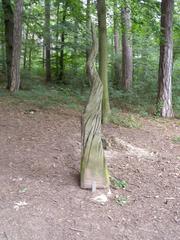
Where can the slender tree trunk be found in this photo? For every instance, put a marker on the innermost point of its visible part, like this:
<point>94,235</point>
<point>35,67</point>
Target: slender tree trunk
<point>88,29</point>
<point>74,56</point>
<point>47,40</point>
<point>57,38</point>
<point>3,51</point>
<point>127,54</point>
<point>61,62</point>
<point>87,25</point>
<point>25,48</point>
<point>94,173</point>
<point>30,53</point>
<point>9,25</point>
<point>166,60</point>
<point>113,61</point>
<point>103,58</point>
<point>61,59</point>
<point>16,53</point>
<point>117,66</point>
<point>30,59</point>
<point>43,55</point>
<point>3,57</point>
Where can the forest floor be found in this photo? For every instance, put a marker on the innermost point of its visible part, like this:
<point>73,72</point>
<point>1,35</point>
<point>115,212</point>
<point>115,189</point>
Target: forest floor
<point>40,197</point>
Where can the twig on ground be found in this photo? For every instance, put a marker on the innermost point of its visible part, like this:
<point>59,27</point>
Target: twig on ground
<point>6,236</point>
<point>77,230</point>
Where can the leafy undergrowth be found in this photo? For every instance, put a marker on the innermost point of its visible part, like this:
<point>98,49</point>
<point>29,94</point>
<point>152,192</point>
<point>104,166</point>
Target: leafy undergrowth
<point>118,183</point>
<point>127,107</point>
<point>127,120</point>
<point>42,96</point>
<point>141,99</point>
<point>176,139</point>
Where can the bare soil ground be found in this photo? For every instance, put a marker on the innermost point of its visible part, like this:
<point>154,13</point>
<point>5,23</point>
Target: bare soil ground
<point>40,197</point>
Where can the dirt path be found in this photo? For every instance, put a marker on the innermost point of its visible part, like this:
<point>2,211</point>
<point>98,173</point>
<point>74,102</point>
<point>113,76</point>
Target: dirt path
<point>40,198</point>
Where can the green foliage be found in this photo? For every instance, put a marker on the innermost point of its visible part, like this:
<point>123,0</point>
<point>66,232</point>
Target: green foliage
<point>146,34</point>
<point>118,183</point>
<point>176,139</point>
<point>142,97</point>
<point>127,121</point>
<point>159,107</point>
<point>44,96</point>
<point>120,200</point>
<point>176,86</point>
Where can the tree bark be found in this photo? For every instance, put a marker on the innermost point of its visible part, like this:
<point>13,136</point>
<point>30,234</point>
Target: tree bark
<point>103,59</point>
<point>61,62</point>
<point>88,30</point>
<point>166,60</point>
<point>94,173</point>
<point>43,55</point>
<point>87,26</point>
<point>75,52</point>
<point>57,38</point>
<point>16,53</point>
<point>117,66</point>
<point>3,49</point>
<point>9,25</point>
<point>127,54</point>
<point>30,53</point>
<point>47,40</point>
<point>25,48</point>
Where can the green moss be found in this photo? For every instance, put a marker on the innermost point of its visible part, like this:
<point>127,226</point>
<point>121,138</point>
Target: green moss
<point>176,139</point>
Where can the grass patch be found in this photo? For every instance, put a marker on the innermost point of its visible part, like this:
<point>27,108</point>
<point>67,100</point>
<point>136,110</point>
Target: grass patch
<point>44,97</point>
<point>142,97</point>
<point>120,200</point>
<point>127,121</point>
<point>118,183</point>
<point>176,140</point>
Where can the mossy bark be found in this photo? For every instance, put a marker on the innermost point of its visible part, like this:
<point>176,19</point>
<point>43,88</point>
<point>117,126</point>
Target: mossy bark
<point>94,173</point>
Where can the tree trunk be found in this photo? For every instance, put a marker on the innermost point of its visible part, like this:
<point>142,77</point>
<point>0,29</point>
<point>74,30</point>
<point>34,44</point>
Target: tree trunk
<point>61,62</point>
<point>74,54</point>
<point>87,26</point>
<point>3,51</point>
<point>9,25</point>
<point>166,60</point>
<point>30,53</point>
<point>94,173</point>
<point>57,38</point>
<point>103,58</point>
<point>16,53</point>
<point>117,66</point>
<point>127,54</point>
<point>25,48</point>
<point>88,30</point>
<point>112,60</point>
<point>47,40</point>
<point>43,55</point>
